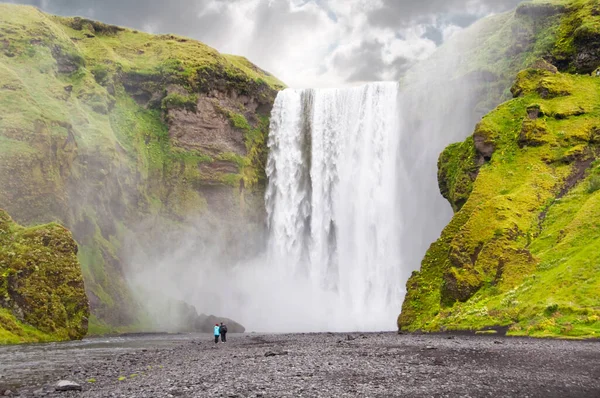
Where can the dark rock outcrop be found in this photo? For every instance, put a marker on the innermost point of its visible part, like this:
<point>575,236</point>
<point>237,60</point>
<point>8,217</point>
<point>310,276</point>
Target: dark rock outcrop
<point>177,316</point>
<point>205,324</point>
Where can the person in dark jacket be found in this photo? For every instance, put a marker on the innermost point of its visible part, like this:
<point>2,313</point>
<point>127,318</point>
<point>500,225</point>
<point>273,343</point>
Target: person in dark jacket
<point>217,332</point>
<point>223,331</point>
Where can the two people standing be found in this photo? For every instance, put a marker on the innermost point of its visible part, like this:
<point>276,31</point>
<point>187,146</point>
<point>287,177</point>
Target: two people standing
<point>220,330</point>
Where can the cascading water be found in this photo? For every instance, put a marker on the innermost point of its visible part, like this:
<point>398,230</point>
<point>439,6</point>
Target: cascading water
<point>353,204</point>
<point>332,200</point>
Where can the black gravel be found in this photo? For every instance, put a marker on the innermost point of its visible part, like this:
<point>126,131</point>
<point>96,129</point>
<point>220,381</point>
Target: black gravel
<point>334,365</point>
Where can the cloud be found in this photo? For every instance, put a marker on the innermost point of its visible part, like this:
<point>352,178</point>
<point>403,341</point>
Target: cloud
<point>363,63</point>
<point>393,13</point>
<point>434,34</point>
<point>306,43</point>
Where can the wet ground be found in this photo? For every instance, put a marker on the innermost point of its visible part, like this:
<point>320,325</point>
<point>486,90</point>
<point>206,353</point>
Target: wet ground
<point>310,365</point>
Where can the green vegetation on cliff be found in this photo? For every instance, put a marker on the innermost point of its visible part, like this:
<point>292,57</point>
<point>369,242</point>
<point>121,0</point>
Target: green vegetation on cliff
<point>42,296</point>
<point>523,249</point>
<point>102,127</point>
<point>487,56</point>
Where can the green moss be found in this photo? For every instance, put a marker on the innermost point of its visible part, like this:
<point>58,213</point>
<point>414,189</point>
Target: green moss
<point>593,184</point>
<point>534,133</point>
<point>13,331</point>
<point>493,50</point>
<point>579,32</point>
<point>239,121</point>
<point>101,73</point>
<point>457,169</point>
<point>253,164</point>
<point>165,58</point>
<point>41,283</point>
<point>178,101</point>
<point>521,252</point>
<point>259,75</point>
<point>98,327</point>
<point>10,147</point>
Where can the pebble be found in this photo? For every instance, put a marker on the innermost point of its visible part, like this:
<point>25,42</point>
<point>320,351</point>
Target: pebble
<point>275,353</point>
<point>313,365</point>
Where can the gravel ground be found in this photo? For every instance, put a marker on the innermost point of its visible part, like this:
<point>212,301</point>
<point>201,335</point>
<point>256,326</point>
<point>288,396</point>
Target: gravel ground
<point>336,365</point>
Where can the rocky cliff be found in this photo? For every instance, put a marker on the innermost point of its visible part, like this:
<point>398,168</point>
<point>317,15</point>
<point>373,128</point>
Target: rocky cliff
<point>522,249</point>
<point>42,297</point>
<point>102,127</point>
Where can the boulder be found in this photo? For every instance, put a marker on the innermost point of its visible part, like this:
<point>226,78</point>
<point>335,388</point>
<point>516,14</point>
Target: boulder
<point>41,283</point>
<point>542,64</point>
<point>534,132</point>
<point>66,385</point>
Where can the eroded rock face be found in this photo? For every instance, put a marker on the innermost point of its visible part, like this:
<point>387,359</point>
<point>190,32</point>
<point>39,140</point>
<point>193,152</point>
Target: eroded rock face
<point>484,146</point>
<point>587,42</point>
<point>208,130</point>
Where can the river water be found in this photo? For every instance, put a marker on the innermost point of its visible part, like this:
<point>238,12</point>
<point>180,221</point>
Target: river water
<point>37,364</point>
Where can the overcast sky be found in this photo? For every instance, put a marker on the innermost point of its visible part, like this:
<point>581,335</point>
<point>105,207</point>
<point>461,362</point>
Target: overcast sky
<point>306,43</point>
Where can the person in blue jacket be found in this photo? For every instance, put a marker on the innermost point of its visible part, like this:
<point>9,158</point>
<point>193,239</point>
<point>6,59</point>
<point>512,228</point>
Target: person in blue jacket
<point>217,332</point>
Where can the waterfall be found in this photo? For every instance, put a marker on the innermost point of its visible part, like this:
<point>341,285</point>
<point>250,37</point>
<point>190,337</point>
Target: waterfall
<point>333,197</point>
<point>353,203</point>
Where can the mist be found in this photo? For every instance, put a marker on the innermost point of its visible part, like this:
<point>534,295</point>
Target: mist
<point>258,292</point>
<point>288,282</point>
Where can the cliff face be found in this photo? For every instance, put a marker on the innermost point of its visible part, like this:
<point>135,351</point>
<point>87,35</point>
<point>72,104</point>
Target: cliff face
<point>522,248</point>
<point>102,127</point>
<point>42,297</point>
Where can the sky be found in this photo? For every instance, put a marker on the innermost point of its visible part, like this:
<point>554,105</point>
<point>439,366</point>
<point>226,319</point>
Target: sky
<point>305,43</point>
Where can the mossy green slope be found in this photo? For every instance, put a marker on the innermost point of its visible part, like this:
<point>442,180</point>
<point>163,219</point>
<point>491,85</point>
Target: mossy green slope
<point>98,130</point>
<point>487,55</point>
<point>42,296</point>
<point>522,249</point>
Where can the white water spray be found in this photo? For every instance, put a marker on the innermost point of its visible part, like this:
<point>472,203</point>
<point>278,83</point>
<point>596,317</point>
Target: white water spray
<point>353,203</point>
<point>332,201</point>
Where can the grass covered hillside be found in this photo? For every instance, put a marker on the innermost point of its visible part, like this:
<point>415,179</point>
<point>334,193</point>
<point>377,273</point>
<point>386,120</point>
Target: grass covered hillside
<point>102,127</point>
<point>523,249</point>
<point>42,297</point>
<point>487,55</point>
